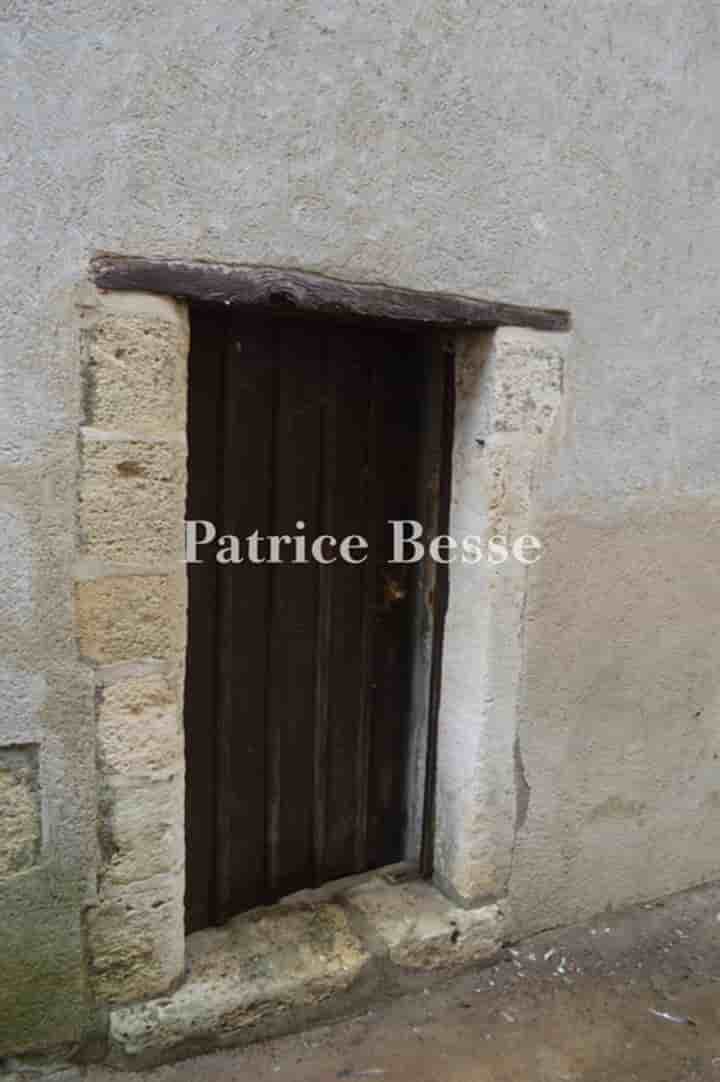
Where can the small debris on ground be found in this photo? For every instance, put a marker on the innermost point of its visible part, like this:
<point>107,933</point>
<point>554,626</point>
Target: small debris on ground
<point>369,1072</point>
<point>678,1019</point>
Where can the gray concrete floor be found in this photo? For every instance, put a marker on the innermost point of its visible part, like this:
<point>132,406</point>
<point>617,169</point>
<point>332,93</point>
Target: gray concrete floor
<point>566,1006</point>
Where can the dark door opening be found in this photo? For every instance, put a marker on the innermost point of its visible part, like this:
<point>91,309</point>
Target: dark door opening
<point>308,684</point>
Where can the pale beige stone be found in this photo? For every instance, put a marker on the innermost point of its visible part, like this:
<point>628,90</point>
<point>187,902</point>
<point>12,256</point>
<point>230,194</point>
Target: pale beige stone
<point>508,476</point>
<point>20,826</point>
<point>257,967</point>
<point>139,726</point>
<point>421,929</point>
<point>510,409</point>
<point>129,617</point>
<point>141,830</point>
<point>131,511</point>
<point>137,304</point>
<point>135,372</point>
<point>136,941</point>
<point>522,382</point>
<point>132,500</point>
<point>136,933</point>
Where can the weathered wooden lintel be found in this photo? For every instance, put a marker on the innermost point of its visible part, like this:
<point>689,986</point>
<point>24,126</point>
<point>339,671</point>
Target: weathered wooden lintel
<point>285,291</point>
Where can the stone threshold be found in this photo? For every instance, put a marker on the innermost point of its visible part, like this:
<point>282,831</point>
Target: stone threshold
<point>315,957</point>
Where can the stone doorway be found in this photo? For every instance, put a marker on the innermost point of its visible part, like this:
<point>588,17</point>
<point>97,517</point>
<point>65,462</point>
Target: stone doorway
<point>131,599</point>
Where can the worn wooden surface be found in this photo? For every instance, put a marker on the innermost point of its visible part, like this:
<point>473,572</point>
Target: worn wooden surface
<point>201,708</point>
<point>299,726</point>
<point>284,290</point>
<point>243,605</point>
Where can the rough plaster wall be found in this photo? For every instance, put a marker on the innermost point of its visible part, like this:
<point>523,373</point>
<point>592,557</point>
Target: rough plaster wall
<point>561,154</point>
<point>618,720</point>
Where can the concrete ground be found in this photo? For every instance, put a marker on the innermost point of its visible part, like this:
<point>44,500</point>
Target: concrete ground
<point>632,997</point>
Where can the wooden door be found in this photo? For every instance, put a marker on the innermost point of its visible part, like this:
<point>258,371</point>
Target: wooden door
<point>299,688</point>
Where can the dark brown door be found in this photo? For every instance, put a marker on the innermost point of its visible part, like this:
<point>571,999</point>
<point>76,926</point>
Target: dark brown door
<point>299,681</point>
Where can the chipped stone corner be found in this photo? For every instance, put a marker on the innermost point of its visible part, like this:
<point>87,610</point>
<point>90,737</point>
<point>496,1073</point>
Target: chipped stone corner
<point>418,928</point>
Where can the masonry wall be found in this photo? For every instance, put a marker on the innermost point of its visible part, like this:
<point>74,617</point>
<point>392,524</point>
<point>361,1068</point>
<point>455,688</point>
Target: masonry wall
<point>130,600</point>
<point>558,155</point>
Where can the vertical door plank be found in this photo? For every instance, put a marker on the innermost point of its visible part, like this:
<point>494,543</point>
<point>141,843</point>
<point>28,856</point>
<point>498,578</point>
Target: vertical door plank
<point>293,621</point>
<point>244,599</point>
<point>205,456</point>
<point>439,435</point>
<point>398,403</point>
<point>373,533</point>
<point>345,751</point>
<point>325,621</point>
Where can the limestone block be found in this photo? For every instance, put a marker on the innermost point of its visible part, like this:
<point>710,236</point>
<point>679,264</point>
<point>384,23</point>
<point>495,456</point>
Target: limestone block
<point>132,499</point>
<point>130,617</point>
<point>139,726</point>
<point>509,414</point>
<point>136,940</point>
<point>523,382</point>
<point>421,929</point>
<point>135,371</point>
<point>141,830</point>
<point>260,965</point>
<point>20,824</point>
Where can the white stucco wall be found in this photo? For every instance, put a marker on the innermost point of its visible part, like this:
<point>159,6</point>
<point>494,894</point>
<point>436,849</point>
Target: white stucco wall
<point>560,154</point>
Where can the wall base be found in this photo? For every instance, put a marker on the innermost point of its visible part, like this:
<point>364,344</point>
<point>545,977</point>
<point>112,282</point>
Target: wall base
<point>314,958</point>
